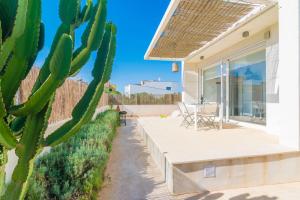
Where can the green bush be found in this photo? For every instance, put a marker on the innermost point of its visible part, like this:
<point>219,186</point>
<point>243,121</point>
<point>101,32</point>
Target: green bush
<point>75,169</point>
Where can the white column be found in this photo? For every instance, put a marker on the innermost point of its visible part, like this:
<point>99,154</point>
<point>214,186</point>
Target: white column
<point>182,82</point>
<point>289,63</point>
<point>227,90</point>
<point>221,97</point>
<point>196,117</point>
<point>198,87</point>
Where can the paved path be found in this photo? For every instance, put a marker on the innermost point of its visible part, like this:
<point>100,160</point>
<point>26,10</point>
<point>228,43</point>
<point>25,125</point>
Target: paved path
<point>132,175</point>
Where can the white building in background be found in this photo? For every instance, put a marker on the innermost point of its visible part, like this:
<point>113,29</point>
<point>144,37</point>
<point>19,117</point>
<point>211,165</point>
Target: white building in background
<point>152,87</point>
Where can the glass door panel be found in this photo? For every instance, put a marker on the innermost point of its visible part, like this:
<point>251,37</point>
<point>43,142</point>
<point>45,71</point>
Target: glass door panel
<point>247,91</point>
<point>212,85</point>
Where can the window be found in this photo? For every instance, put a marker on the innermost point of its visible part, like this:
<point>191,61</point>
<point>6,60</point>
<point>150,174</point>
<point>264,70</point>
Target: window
<point>212,84</point>
<point>169,88</point>
<point>248,88</point>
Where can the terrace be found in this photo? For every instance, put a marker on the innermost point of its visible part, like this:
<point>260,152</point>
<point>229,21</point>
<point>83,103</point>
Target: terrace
<point>203,160</point>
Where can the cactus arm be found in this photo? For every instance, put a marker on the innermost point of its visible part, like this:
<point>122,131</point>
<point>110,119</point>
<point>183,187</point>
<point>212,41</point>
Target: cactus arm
<point>59,67</point>
<point>6,135</point>
<point>41,37</point>
<point>11,79</point>
<point>20,22</point>
<point>92,35</point>
<point>91,38</point>
<point>18,30</point>
<point>6,50</point>
<point>7,138</point>
<point>8,9</point>
<point>79,61</point>
<point>26,151</point>
<point>17,125</point>
<point>45,70</point>
<point>68,10</point>
<point>0,34</point>
<point>18,65</point>
<point>2,105</point>
<point>87,11</point>
<point>85,109</point>
<point>39,99</point>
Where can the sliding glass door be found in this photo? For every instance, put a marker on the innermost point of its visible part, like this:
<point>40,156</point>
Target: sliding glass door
<point>211,80</point>
<point>247,88</point>
<point>212,84</point>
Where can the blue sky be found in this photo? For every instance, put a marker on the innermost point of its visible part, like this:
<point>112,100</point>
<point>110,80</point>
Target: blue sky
<point>137,21</point>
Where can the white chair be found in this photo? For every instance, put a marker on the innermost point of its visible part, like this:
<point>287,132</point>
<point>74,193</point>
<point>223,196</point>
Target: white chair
<point>188,118</point>
<point>208,115</point>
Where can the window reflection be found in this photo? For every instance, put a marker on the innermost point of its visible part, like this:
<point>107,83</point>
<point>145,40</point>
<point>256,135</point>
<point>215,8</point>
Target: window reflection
<point>248,88</point>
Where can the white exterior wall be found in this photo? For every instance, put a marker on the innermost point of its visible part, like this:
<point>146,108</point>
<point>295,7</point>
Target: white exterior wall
<point>289,20</point>
<point>247,46</point>
<point>272,82</point>
<point>189,84</point>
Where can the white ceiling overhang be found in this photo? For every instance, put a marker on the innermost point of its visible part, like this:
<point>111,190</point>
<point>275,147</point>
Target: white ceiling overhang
<point>189,25</point>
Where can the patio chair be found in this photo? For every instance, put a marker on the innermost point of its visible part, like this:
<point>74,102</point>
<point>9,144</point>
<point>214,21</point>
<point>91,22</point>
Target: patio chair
<point>208,115</point>
<point>188,118</point>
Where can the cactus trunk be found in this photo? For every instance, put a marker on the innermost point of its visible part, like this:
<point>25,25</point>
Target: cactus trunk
<point>22,127</point>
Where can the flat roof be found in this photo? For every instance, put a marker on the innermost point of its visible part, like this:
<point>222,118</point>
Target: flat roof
<point>189,25</point>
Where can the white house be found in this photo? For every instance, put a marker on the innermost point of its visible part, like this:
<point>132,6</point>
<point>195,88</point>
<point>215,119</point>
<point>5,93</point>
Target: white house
<point>244,55</point>
<point>152,87</point>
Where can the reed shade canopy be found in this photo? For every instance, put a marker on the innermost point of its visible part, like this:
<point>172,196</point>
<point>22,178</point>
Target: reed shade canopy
<point>194,23</point>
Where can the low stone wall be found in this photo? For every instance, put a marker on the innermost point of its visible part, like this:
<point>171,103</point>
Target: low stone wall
<point>237,173</point>
<point>148,110</point>
<point>196,177</point>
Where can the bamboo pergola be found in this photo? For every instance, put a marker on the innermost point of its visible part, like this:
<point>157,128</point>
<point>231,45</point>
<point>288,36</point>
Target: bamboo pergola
<point>197,22</point>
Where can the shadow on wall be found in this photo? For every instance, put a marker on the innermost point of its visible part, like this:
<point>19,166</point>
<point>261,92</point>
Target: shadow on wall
<point>217,196</point>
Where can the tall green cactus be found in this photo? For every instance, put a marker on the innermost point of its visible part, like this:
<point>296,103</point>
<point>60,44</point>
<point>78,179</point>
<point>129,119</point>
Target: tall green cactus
<point>22,126</point>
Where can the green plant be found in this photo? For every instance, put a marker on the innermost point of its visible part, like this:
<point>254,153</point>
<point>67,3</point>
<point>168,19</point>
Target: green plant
<point>75,169</point>
<point>23,126</point>
<point>111,90</point>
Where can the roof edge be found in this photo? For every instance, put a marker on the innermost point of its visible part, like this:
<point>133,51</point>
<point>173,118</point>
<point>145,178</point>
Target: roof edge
<point>164,22</point>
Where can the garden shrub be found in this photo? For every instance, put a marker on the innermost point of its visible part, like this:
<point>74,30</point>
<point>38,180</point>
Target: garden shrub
<point>75,169</point>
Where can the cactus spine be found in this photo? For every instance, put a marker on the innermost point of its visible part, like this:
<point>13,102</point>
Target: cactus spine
<point>22,127</point>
